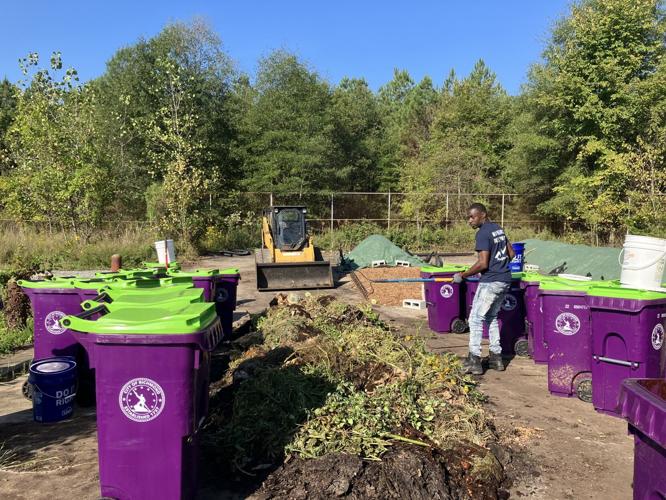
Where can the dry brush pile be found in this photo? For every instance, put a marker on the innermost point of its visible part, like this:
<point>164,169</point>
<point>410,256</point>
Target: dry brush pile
<point>323,382</point>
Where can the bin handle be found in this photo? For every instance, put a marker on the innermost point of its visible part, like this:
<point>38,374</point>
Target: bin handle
<point>102,297</point>
<point>87,314</point>
<point>638,268</point>
<point>614,361</point>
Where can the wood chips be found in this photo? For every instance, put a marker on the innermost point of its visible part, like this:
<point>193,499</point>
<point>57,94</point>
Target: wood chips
<point>390,294</point>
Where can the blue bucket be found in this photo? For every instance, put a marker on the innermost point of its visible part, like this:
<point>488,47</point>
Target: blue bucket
<point>53,383</point>
<point>516,265</point>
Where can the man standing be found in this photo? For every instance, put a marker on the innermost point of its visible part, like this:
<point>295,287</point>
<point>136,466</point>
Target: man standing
<point>494,254</point>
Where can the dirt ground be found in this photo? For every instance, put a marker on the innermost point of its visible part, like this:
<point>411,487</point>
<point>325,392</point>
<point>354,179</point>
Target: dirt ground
<point>555,448</point>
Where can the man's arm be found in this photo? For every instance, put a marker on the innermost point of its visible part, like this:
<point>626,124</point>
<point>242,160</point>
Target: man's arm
<point>509,249</point>
<point>480,265</point>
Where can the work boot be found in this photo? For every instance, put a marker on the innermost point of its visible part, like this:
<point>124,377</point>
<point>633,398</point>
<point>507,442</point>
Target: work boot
<point>473,365</point>
<point>495,362</point>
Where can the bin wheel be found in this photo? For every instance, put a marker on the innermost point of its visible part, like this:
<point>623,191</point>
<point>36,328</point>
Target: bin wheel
<point>459,326</point>
<point>583,388</point>
<point>521,348</point>
<point>26,389</point>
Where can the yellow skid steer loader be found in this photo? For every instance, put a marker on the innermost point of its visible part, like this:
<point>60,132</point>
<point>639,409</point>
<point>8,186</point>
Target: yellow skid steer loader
<point>288,260</point>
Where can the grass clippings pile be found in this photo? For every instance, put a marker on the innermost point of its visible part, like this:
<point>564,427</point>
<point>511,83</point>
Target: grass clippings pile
<point>328,381</point>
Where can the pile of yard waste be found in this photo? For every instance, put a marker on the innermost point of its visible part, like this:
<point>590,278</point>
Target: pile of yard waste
<point>326,400</point>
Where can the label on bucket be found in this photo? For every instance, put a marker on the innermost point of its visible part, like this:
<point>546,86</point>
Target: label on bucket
<point>52,322</point>
<point>141,399</point>
<point>446,291</point>
<point>52,367</point>
<point>567,323</point>
<point>509,303</point>
<point>657,336</point>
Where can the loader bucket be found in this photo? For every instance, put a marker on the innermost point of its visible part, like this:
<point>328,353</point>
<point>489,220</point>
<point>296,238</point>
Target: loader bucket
<point>294,275</point>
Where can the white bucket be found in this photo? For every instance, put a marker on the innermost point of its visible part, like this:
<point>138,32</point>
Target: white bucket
<point>643,262</point>
<point>163,248</point>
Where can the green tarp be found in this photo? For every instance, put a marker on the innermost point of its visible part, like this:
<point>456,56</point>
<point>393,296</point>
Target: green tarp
<point>377,247</point>
<point>554,257</point>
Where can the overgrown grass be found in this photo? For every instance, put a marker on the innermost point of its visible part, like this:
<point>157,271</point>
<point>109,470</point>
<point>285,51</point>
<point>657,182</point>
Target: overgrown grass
<point>29,248</point>
<point>10,340</point>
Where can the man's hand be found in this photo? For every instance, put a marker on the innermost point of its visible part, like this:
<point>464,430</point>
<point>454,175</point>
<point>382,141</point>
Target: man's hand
<point>457,278</point>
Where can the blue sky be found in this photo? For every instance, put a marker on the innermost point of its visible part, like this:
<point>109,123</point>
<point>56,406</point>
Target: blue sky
<point>342,38</point>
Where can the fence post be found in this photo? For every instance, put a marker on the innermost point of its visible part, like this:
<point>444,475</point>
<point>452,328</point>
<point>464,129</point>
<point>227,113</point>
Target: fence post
<point>446,220</point>
<point>389,209</point>
<point>502,223</point>
<point>271,199</point>
<point>331,215</point>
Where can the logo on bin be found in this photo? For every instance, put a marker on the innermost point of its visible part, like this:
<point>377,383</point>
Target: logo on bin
<point>52,322</point>
<point>141,399</point>
<point>222,295</point>
<point>658,336</point>
<point>567,324</point>
<point>509,303</point>
<point>446,291</point>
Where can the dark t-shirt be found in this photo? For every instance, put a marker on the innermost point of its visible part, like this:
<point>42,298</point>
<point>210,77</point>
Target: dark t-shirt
<point>491,238</point>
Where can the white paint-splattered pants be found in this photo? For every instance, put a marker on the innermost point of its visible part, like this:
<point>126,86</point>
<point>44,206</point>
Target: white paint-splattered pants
<point>487,302</point>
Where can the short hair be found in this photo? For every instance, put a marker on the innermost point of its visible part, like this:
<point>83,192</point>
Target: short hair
<point>478,206</point>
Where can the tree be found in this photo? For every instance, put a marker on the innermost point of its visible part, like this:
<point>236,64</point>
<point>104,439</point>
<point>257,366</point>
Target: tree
<point>8,103</point>
<point>591,96</point>
<point>285,137</point>
<point>59,176</point>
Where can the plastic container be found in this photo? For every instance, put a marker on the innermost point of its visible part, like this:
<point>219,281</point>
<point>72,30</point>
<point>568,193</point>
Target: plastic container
<point>226,296</point>
<point>161,265</point>
<point>52,300</point>
<point>567,335</point>
<point>166,251</point>
<point>643,404</point>
<point>149,413</point>
<point>516,264</point>
<point>536,347</point>
<point>54,383</point>
<point>643,262</point>
<point>445,301</point>
<point>511,317</point>
<point>218,286</point>
<point>627,340</point>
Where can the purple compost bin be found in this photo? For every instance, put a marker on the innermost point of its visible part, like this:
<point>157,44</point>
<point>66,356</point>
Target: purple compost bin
<point>643,404</point>
<point>511,317</point>
<point>219,287</point>
<point>627,340</point>
<point>536,347</point>
<point>52,300</point>
<point>567,333</point>
<point>444,300</point>
<point>153,372</point>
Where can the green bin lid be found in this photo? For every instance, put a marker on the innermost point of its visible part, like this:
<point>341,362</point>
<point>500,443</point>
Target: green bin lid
<point>618,292</point>
<point>230,270</point>
<point>154,293</point>
<point>44,284</point>
<point>565,284</point>
<point>159,265</point>
<point>143,284</point>
<point>157,320</point>
<point>187,296</point>
<point>446,268</point>
<point>197,273</point>
<point>127,273</point>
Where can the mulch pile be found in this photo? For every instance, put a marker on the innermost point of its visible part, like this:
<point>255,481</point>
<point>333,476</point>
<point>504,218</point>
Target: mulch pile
<point>390,294</point>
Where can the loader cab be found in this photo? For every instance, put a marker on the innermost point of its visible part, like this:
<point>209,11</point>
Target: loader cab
<point>288,227</point>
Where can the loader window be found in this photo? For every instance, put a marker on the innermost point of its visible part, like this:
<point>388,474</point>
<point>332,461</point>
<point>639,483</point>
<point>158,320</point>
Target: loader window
<point>291,228</point>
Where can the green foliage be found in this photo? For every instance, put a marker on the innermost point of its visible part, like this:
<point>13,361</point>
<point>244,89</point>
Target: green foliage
<point>11,340</point>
